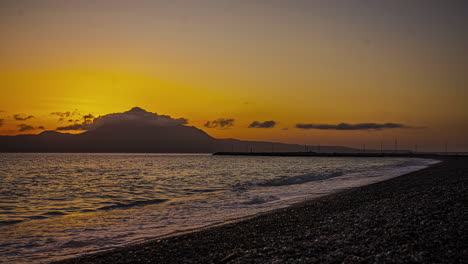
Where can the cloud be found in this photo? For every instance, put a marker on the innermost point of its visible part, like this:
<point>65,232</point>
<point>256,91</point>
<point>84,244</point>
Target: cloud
<point>1,122</point>
<point>62,114</point>
<point>220,122</point>
<point>86,123</point>
<point>25,127</point>
<point>88,116</point>
<point>266,124</point>
<point>345,126</point>
<point>66,115</point>
<point>134,117</point>
<point>82,126</point>
<point>18,117</point>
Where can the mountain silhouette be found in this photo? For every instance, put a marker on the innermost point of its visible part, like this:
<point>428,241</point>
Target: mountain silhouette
<point>139,131</point>
<point>146,139</point>
<point>115,138</point>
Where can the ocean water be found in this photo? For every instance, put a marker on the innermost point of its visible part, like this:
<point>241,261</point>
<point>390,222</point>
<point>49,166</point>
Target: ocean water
<point>56,206</point>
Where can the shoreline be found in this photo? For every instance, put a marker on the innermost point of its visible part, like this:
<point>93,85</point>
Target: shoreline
<point>369,154</point>
<point>260,238</point>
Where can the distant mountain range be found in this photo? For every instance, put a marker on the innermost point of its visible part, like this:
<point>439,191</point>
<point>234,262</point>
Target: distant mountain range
<point>113,138</point>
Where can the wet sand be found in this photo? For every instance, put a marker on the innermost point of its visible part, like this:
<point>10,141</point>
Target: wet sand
<point>418,217</point>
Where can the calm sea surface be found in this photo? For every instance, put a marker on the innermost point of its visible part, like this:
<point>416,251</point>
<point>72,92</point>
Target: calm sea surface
<point>55,206</point>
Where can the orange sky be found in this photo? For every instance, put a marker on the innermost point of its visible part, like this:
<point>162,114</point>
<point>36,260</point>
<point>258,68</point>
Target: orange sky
<point>325,62</point>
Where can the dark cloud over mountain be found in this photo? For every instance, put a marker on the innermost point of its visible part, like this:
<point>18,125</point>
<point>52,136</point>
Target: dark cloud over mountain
<point>88,116</point>
<point>25,127</point>
<point>134,117</point>
<point>345,126</point>
<point>86,123</point>
<point>266,124</point>
<point>18,117</point>
<point>220,123</point>
<point>82,126</point>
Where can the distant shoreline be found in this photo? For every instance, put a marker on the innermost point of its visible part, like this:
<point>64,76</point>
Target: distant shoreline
<point>414,217</point>
<point>336,154</point>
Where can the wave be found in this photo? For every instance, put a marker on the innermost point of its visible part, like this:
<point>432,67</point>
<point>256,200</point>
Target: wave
<point>310,177</point>
<point>54,213</point>
<point>10,222</point>
<point>132,204</point>
<point>192,190</point>
<point>87,210</point>
<point>77,244</point>
<point>298,179</point>
<point>260,200</point>
<point>34,217</point>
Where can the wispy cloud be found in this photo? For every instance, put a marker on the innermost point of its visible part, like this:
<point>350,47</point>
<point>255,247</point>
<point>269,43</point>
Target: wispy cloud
<point>1,122</point>
<point>25,127</point>
<point>346,126</point>
<point>85,124</point>
<point>68,114</point>
<point>88,116</point>
<point>266,124</point>
<point>82,126</point>
<point>62,114</point>
<point>18,117</point>
<point>220,123</point>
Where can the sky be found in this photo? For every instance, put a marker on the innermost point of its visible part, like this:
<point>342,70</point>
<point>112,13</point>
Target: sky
<point>323,72</point>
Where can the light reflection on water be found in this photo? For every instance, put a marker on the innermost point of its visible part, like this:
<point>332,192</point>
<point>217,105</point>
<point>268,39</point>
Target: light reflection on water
<point>54,206</point>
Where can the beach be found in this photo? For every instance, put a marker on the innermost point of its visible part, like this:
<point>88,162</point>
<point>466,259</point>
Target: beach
<point>233,131</point>
<point>417,217</point>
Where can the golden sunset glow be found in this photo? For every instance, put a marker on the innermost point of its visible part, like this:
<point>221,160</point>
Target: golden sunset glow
<point>320,63</point>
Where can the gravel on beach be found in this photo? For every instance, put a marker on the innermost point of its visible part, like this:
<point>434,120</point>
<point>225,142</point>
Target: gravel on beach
<point>418,217</point>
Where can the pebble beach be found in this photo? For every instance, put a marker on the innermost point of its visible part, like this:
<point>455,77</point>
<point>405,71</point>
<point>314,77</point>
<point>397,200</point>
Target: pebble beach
<point>417,217</point>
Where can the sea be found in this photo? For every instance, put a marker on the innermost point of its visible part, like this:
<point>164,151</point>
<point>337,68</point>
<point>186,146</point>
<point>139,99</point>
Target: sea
<point>57,206</point>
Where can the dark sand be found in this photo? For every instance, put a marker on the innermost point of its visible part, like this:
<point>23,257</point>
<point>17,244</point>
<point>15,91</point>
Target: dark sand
<point>418,217</point>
